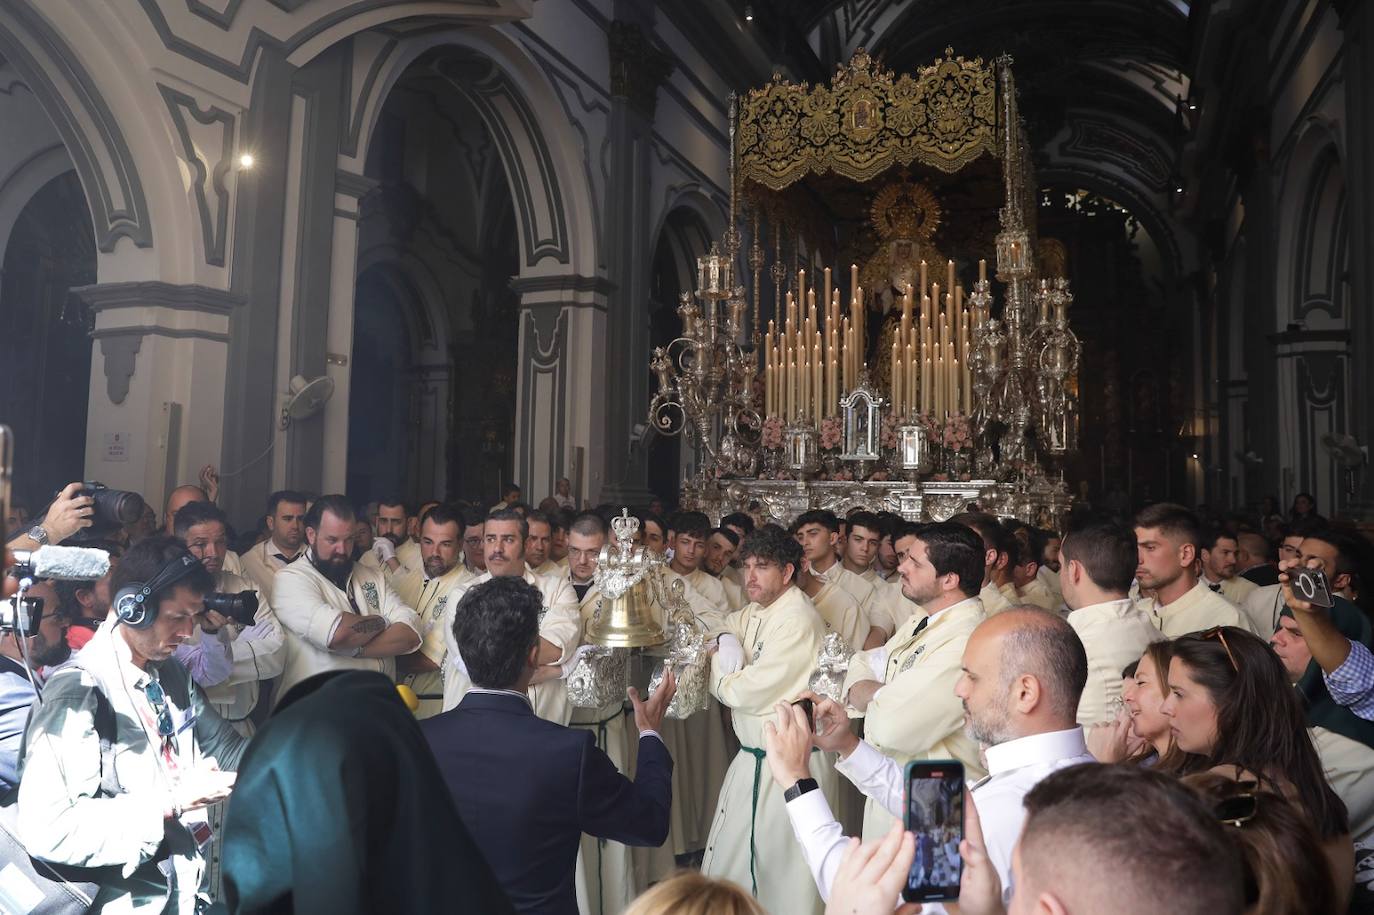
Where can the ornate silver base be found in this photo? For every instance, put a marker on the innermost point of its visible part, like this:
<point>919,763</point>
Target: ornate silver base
<point>781,501</point>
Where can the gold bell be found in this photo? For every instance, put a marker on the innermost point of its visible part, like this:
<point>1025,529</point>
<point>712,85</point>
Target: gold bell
<point>626,621</point>
<point>624,615</point>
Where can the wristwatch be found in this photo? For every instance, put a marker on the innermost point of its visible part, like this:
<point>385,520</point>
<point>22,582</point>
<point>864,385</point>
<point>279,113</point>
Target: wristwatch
<point>39,535</point>
<point>802,786</point>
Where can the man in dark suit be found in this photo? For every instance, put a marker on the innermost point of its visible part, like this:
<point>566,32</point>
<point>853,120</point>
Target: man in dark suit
<point>527,788</point>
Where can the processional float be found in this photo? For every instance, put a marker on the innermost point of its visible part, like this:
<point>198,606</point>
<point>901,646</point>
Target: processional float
<point>920,385</point>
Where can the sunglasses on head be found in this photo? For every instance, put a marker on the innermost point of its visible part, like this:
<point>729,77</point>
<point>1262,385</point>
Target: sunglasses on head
<point>1219,633</point>
<point>1236,809</point>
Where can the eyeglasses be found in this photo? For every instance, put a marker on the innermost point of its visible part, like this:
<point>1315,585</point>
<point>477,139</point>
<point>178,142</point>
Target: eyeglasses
<point>1219,633</point>
<point>1236,809</point>
<point>158,699</point>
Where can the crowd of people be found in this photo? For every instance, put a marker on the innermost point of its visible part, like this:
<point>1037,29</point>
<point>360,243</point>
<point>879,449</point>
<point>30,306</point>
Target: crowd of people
<point>1148,714</point>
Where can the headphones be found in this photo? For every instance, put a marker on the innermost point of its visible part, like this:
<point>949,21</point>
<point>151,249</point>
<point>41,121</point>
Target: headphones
<point>132,605</point>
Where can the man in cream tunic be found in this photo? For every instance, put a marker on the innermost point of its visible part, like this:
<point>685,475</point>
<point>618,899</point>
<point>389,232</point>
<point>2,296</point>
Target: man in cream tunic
<point>560,625</point>
<point>445,578</point>
<point>1167,538</point>
<point>338,615</point>
<point>905,690</point>
<point>766,657</point>
<point>700,744</point>
<point>995,545</point>
<point>605,873</point>
<point>1219,551</point>
<point>1096,567</point>
<point>818,532</point>
<point>285,543</point>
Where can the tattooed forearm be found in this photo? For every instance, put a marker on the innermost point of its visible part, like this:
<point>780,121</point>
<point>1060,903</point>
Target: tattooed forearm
<point>369,625</point>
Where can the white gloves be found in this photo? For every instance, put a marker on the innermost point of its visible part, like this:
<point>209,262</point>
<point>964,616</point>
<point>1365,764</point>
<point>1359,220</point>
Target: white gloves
<point>576,656</point>
<point>384,549</point>
<point>877,660</point>
<point>729,654</point>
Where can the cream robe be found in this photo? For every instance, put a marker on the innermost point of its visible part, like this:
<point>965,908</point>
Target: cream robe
<point>605,875</point>
<point>841,614</point>
<point>1114,635</point>
<point>1349,768</point>
<point>409,575</point>
<point>432,605</point>
<point>1050,579</point>
<point>701,744</point>
<point>254,662</point>
<point>1036,594</point>
<point>261,565</point>
<point>1236,589</point>
<point>233,564</point>
<point>1197,610</point>
<point>1009,594</point>
<point>889,608</point>
<point>915,715</point>
<point>559,623</point>
<point>751,839</point>
<point>734,594</point>
<point>994,599</point>
<point>1262,607</point>
<point>549,567</point>
<point>308,605</point>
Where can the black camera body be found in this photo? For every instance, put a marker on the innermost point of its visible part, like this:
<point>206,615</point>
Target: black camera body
<point>21,614</point>
<point>1311,585</point>
<point>113,507</point>
<point>242,607</point>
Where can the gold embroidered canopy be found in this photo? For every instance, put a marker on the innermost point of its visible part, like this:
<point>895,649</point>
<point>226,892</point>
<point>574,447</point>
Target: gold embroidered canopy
<point>867,120</point>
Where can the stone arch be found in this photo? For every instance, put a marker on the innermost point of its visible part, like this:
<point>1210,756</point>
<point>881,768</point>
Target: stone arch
<point>538,147</point>
<point>83,119</point>
<point>1312,231</point>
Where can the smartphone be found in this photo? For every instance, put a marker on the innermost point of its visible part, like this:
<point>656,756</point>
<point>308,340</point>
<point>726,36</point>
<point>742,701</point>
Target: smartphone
<point>935,816</point>
<point>809,708</point>
<point>1311,585</point>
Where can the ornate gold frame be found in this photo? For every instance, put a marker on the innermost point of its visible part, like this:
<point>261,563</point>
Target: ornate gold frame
<point>868,120</point>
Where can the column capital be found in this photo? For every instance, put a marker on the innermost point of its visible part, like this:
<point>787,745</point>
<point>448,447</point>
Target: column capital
<point>638,66</point>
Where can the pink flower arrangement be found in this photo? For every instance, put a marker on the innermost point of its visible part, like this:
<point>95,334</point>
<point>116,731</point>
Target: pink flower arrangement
<point>887,435</point>
<point>956,434</point>
<point>830,433</point>
<point>771,436</point>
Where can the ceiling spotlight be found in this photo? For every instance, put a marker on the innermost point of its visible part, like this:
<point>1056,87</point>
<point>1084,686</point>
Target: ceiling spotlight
<point>246,160</point>
<point>1179,189</point>
<point>1194,455</point>
<point>1192,105</point>
<point>748,12</point>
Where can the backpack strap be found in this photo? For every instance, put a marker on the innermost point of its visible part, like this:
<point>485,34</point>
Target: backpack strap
<point>107,732</point>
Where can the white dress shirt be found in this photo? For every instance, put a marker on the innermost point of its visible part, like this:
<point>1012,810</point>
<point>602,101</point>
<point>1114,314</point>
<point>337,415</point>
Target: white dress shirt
<point>1014,768</point>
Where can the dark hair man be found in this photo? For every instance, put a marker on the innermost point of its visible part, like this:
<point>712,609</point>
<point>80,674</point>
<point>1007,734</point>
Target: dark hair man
<point>1022,673</point>
<point>1220,554</point>
<point>516,778</point>
<point>818,532</point>
<point>474,556</point>
<point>906,687</point>
<point>997,547</point>
<point>442,583</point>
<point>86,604</point>
<point>1097,562</point>
<point>339,615</point>
<point>505,533</point>
<point>21,667</point>
<point>285,541</point>
<point>1256,559</point>
<point>128,692</point>
<point>230,660</point>
<point>538,543</point>
<point>1167,539</point>
<point>766,657</point>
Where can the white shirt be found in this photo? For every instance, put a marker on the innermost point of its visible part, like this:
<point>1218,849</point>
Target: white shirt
<point>1014,768</point>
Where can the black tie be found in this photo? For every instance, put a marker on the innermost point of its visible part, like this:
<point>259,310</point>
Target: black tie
<point>283,558</point>
<point>581,589</point>
<point>919,626</point>
<point>1215,587</point>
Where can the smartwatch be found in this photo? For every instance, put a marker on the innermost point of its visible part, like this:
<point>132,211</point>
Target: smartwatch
<point>802,786</point>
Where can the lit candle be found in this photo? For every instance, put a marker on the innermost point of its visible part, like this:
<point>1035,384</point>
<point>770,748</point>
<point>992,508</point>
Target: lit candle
<point>925,284</point>
<point>818,379</point>
<point>825,287</point>
<point>791,389</point>
<point>860,329</point>
<point>768,370</point>
<point>982,270</point>
<point>897,389</point>
<point>968,390</point>
<point>801,283</point>
<point>949,275</point>
<point>909,400</point>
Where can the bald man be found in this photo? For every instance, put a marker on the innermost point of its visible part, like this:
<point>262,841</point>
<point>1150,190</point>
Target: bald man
<point>184,495</point>
<point>1022,675</point>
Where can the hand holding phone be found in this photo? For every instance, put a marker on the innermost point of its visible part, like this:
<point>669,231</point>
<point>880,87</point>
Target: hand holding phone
<point>934,814</point>
<point>809,707</point>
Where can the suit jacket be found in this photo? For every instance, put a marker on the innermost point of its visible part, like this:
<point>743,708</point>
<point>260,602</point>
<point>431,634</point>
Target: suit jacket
<point>1262,575</point>
<point>527,789</point>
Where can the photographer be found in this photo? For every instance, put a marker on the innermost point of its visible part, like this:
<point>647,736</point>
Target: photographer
<point>136,829</point>
<point>45,646</point>
<point>86,604</point>
<point>230,656</point>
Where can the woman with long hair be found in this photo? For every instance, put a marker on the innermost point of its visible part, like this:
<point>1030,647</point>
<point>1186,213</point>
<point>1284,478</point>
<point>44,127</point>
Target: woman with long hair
<point>1231,704</point>
<point>1141,734</point>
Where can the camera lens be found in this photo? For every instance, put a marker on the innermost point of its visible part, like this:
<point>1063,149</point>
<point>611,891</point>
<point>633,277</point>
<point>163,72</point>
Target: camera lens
<point>241,607</point>
<point>1306,585</point>
<point>117,506</point>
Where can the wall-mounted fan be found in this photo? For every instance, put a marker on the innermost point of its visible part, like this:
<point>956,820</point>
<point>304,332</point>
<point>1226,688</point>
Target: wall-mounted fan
<point>307,398</point>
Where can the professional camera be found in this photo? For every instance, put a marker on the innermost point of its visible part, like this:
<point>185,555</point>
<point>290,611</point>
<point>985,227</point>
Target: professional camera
<point>22,614</point>
<point>1311,585</point>
<point>242,607</point>
<point>113,507</point>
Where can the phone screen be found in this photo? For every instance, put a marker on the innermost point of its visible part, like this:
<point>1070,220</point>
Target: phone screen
<point>935,815</point>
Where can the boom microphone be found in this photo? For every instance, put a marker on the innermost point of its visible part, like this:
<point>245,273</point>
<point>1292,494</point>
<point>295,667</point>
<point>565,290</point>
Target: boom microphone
<point>65,563</point>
